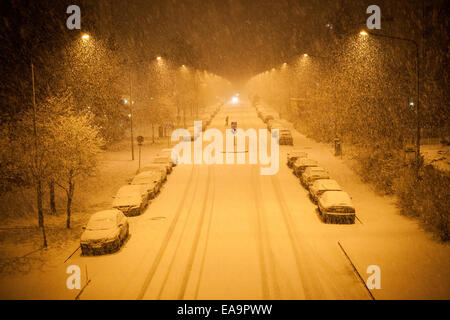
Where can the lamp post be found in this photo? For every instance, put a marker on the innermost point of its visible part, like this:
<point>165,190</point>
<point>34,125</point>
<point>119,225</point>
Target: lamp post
<point>418,114</point>
<point>84,37</point>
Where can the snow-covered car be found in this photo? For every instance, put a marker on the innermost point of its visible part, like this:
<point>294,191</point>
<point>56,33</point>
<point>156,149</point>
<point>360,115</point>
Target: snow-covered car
<point>167,152</point>
<point>161,168</point>
<point>131,199</point>
<point>312,174</point>
<point>105,232</point>
<point>164,160</point>
<point>151,179</point>
<point>285,137</point>
<point>293,155</point>
<point>301,164</point>
<point>322,185</point>
<point>337,207</point>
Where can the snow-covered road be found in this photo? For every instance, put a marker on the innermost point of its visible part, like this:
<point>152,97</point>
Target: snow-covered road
<point>226,232</point>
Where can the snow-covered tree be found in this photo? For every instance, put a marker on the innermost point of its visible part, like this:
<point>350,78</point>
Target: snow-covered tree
<point>75,143</point>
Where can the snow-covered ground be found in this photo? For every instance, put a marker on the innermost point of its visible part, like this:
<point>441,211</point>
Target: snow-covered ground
<point>437,155</point>
<point>226,232</point>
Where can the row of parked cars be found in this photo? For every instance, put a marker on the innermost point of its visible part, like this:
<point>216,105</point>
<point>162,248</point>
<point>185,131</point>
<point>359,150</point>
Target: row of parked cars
<point>107,230</point>
<point>206,118</point>
<point>272,122</point>
<point>334,204</point>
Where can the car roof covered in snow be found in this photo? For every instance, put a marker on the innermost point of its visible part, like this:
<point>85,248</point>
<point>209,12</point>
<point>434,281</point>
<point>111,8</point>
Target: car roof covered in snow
<point>315,169</point>
<point>130,194</point>
<point>326,184</point>
<point>336,198</point>
<point>162,159</point>
<point>306,162</point>
<point>154,166</point>
<point>100,215</point>
<point>297,153</point>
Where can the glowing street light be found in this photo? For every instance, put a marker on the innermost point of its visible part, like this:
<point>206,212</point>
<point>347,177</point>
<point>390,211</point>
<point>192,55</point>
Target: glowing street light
<point>363,33</point>
<point>305,54</point>
<point>85,36</point>
<point>158,58</point>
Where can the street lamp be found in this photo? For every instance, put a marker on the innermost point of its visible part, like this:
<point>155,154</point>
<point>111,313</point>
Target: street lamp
<point>85,36</point>
<point>364,33</point>
<point>35,135</point>
<point>130,116</point>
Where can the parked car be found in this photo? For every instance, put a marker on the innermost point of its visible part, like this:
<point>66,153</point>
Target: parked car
<point>164,160</point>
<point>151,179</point>
<point>285,137</point>
<point>336,206</point>
<point>105,232</point>
<point>131,199</point>
<point>320,186</point>
<point>293,155</point>
<point>301,164</point>
<point>312,174</point>
<point>161,168</point>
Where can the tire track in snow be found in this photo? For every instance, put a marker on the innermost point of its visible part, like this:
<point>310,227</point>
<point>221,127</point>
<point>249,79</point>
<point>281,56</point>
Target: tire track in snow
<point>265,250</point>
<point>167,238</point>
<point>294,242</point>
<point>180,239</point>
<point>205,249</point>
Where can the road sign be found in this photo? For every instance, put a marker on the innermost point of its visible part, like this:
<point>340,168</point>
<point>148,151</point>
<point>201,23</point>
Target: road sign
<point>140,140</point>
